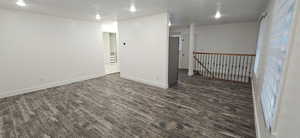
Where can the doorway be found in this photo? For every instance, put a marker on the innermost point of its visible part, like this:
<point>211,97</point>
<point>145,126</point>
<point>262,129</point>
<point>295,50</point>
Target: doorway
<point>174,46</point>
<point>110,53</point>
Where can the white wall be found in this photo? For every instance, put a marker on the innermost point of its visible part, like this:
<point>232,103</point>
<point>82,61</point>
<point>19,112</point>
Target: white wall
<point>288,121</point>
<point>289,116</point>
<point>145,56</point>
<point>184,52</point>
<point>109,26</point>
<point>39,51</point>
<point>106,47</point>
<point>225,38</point>
<point>261,129</point>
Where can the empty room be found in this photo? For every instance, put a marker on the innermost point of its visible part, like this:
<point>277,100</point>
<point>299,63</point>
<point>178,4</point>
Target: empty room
<point>149,68</point>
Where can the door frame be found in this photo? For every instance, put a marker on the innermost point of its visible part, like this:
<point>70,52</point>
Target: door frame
<point>177,55</point>
<point>180,41</point>
<point>115,66</point>
<point>180,48</point>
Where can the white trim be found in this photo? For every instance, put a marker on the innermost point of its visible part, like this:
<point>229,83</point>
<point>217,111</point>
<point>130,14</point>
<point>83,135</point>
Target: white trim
<point>191,49</point>
<point>47,85</point>
<point>256,118</point>
<point>167,48</point>
<point>152,83</point>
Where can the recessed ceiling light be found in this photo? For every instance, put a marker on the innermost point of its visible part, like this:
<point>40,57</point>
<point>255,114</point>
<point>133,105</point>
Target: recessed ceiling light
<point>132,8</point>
<point>170,24</point>
<point>98,17</point>
<point>218,15</point>
<point>21,3</point>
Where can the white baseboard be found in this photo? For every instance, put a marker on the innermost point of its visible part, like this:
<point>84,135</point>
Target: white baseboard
<point>47,85</point>
<point>152,83</point>
<point>256,117</point>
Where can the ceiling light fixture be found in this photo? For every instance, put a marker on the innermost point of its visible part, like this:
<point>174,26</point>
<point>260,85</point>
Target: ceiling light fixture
<point>170,24</point>
<point>132,8</point>
<point>21,3</point>
<point>98,17</point>
<point>218,15</point>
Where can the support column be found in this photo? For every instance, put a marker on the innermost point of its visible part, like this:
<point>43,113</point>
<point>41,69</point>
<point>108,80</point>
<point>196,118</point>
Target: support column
<point>191,49</point>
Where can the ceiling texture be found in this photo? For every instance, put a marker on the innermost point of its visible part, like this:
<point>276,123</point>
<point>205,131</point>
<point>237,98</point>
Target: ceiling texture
<point>182,12</point>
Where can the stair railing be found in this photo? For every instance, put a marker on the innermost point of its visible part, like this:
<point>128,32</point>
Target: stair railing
<point>224,66</point>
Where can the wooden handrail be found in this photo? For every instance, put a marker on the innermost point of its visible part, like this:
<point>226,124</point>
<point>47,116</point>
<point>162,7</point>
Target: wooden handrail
<point>225,54</point>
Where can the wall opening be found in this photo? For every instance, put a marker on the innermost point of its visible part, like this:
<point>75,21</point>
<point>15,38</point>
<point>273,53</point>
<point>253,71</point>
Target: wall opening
<point>110,52</point>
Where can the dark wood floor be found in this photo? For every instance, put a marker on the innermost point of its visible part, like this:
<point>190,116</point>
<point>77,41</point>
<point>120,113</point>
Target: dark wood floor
<point>112,107</point>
